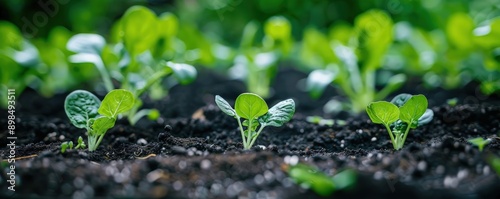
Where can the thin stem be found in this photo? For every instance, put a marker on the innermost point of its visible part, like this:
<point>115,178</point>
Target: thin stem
<point>257,135</point>
<point>106,78</point>
<point>99,141</point>
<point>406,134</point>
<point>242,132</point>
<point>394,142</point>
<point>250,134</point>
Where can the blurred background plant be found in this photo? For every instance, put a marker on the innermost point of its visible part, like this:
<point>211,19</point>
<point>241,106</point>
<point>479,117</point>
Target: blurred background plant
<point>365,49</point>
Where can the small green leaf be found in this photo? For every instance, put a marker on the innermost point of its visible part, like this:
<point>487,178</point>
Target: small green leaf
<point>479,142</point>
<point>250,106</point>
<point>86,43</point>
<point>140,29</point>
<point>81,144</point>
<point>224,106</point>
<point>80,107</point>
<point>413,109</point>
<point>279,114</point>
<point>401,99</point>
<point>382,112</point>
<point>117,101</point>
<point>278,27</point>
<point>317,181</point>
<point>317,82</point>
<point>169,24</point>
<point>184,73</point>
<point>102,124</point>
<point>64,146</point>
<point>70,144</point>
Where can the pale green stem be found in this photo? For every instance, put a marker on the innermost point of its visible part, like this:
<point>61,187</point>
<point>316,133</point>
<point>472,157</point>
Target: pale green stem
<point>257,135</point>
<point>406,134</point>
<point>394,142</point>
<point>242,132</point>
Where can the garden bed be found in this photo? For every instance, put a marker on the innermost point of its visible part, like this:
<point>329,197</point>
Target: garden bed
<point>195,151</point>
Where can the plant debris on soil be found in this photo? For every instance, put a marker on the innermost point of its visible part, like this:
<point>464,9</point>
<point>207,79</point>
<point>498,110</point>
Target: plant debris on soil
<point>195,151</point>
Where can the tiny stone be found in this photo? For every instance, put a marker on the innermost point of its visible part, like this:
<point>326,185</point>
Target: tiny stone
<point>374,139</point>
<point>178,150</point>
<point>440,169</point>
<point>486,170</point>
<point>167,128</point>
<point>205,164</point>
<point>177,185</point>
<point>378,175</point>
<point>422,165</point>
<point>142,141</point>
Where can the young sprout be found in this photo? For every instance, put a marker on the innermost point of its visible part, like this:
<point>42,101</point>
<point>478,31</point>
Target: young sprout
<point>254,112</point>
<point>66,145</point>
<point>85,110</point>
<point>319,182</point>
<point>403,113</point>
<point>479,142</point>
<point>81,144</point>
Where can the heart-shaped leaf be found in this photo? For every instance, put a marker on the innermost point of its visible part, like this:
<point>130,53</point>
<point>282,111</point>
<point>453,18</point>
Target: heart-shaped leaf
<point>250,106</point>
<point>80,107</point>
<point>382,112</point>
<point>413,109</point>
<point>102,124</point>
<point>117,101</point>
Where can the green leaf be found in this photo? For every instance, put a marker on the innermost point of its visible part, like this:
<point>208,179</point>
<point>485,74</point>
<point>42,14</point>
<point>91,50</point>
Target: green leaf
<point>184,73</point>
<point>459,30</point>
<point>86,43</point>
<point>250,106</point>
<point>426,117</point>
<point>140,29</point>
<point>102,124</point>
<point>224,106</point>
<point>479,142</point>
<point>80,106</point>
<point>117,101</point>
<point>279,114</point>
<point>64,146</point>
<point>401,99</point>
<point>382,112</point>
<point>317,82</point>
<point>255,123</point>
<point>317,181</point>
<point>278,27</point>
<point>169,24</point>
<point>413,109</point>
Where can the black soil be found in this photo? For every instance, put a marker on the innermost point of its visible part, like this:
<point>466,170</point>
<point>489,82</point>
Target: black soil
<point>195,151</point>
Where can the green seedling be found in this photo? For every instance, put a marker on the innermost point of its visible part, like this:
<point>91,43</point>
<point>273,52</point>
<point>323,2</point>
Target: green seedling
<point>86,111</point>
<point>494,162</point>
<point>66,145</point>
<point>319,182</point>
<point>256,114</point>
<point>479,142</point>
<point>139,61</point>
<point>403,113</point>
<point>319,120</point>
<point>81,143</point>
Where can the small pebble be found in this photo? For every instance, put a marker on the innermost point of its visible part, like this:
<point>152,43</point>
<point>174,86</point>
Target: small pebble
<point>178,150</point>
<point>142,141</point>
<point>205,164</point>
<point>374,139</point>
<point>167,128</point>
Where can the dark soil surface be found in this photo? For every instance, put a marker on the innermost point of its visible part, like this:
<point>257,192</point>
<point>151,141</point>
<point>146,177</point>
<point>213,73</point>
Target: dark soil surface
<point>195,151</point>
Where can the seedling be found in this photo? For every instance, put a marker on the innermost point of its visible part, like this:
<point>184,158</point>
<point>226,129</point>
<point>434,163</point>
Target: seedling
<point>319,182</point>
<point>479,142</point>
<point>254,112</point>
<point>403,113</point>
<point>66,145</point>
<point>85,110</point>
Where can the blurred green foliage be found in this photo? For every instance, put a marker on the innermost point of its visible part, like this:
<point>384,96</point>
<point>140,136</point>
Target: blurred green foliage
<point>366,49</point>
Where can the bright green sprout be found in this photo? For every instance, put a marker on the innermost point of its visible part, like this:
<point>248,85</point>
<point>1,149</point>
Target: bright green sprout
<point>85,110</point>
<point>479,142</point>
<point>66,145</point>
<point>403,113</point>
<point>255,114</point>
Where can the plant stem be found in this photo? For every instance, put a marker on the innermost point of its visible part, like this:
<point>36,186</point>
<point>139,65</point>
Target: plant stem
<point>106,78</point>
<point>406,134</point>
<point>242,133</point>
<point>394,142</point>
<point>257,135</point>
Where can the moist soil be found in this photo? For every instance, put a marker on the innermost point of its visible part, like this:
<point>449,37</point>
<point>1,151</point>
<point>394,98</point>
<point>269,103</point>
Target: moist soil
<point>195,151</point>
